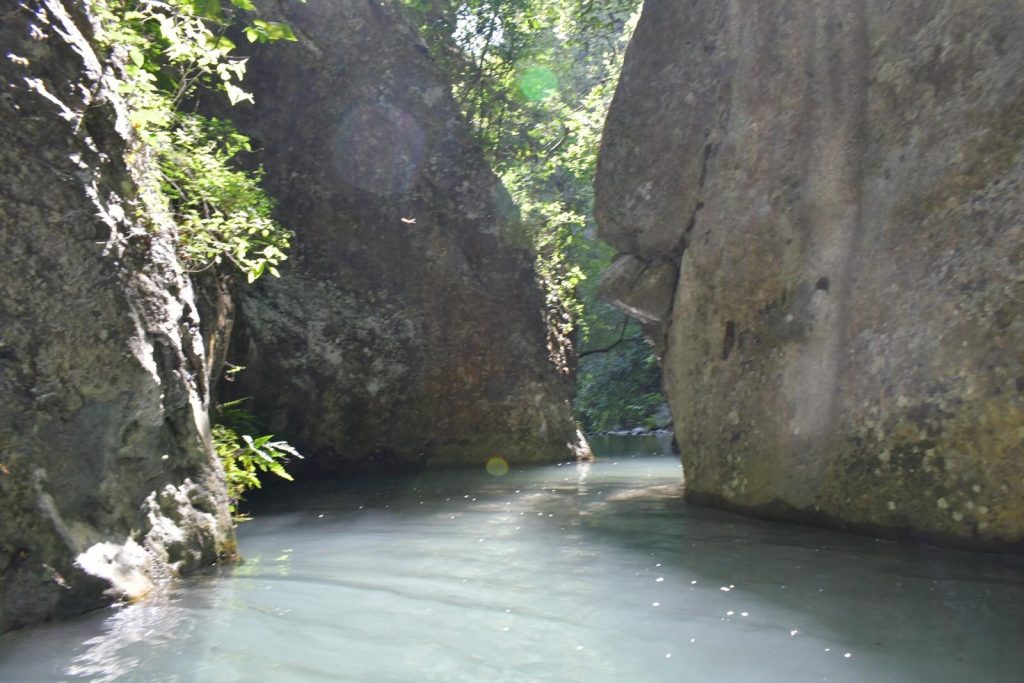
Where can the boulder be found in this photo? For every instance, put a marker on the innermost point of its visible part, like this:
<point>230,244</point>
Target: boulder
<point>839,186</point>
<point>407,327</point>
<point>108,483</point>
<point>641,290</point>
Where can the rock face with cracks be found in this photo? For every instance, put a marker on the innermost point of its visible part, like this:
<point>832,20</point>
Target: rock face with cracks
<point>107,479</point>
<point>407,327</point>
<point>836,189</point>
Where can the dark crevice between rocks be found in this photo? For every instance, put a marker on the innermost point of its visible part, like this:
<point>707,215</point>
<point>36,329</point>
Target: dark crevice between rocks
<point>177,420</point>
<point>215,298</point>
<point>729,342</point>
<point>709,152</point>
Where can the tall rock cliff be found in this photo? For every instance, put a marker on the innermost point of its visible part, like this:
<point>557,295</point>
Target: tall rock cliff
<point>107,478</point>
<point>407,326</point>
<point>820,211</point>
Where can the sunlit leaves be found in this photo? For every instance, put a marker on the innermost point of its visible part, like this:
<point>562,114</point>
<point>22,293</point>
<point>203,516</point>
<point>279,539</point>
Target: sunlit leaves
<point>268,31</point>
<point>179,43</point>
<point>173,49</point>
<point>135,54</point>
<point>236,94</point>
<point>223,213</point>
<point>534,78</point>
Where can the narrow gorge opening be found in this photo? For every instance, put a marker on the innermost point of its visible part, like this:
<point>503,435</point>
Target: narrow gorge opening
<point>408,315</point>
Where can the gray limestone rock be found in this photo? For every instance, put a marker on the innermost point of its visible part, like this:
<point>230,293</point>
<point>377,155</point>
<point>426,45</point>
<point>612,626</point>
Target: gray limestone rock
<point>107,478</point>
<point>640,289</point>
<point>840,186</point>
<point>407,326</point>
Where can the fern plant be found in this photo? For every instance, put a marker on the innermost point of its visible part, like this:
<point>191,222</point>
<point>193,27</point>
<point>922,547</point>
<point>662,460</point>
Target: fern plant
<point>244,456</point>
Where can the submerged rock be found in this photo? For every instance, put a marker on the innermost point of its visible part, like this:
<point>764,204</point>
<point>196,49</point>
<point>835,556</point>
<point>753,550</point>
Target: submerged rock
<point>407,326</point>
<point>838,187</point>
<point>107,478</point>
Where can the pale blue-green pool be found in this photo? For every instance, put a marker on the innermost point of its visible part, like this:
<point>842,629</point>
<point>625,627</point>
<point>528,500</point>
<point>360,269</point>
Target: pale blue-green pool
<point>587,573</point>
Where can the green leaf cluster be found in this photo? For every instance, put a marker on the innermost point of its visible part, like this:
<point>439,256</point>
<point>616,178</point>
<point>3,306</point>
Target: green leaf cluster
<point>169,51</point>
<point>222,213</point>
<point>620,389</point>
<point>245,457</point>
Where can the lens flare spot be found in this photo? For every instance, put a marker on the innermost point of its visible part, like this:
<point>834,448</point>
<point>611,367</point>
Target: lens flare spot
<point>379,148</point>
<point>537,82</point>
<point>497,466</point>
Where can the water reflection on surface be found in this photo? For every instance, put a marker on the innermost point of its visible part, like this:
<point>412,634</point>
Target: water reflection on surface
<point>590,572</point>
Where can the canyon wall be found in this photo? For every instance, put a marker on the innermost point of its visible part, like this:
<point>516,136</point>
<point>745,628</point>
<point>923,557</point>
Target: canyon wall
<point>108,484</point>
<point>407,327</point>
<point>820,211</point>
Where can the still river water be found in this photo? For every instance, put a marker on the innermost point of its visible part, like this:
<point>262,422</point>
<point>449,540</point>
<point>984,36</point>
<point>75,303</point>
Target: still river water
<point>587,573</point>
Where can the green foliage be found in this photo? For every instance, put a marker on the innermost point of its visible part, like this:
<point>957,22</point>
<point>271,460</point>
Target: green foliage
<point>267,31</point>
<point>245,457</point>
<point>169,51</point>
<point>619,388</point>
<point>221,212</point>
<point>534,78</point>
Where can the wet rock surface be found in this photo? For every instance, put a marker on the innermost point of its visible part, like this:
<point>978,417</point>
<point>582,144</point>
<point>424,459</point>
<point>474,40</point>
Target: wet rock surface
<point>407,327</point>
<point>839,188</point>
<point>107,479</point>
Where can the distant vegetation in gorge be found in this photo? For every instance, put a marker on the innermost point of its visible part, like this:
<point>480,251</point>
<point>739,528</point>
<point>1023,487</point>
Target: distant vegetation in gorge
<point>535,79</point>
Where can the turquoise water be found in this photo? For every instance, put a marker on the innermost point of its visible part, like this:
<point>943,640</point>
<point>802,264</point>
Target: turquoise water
<point>565,573</point>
